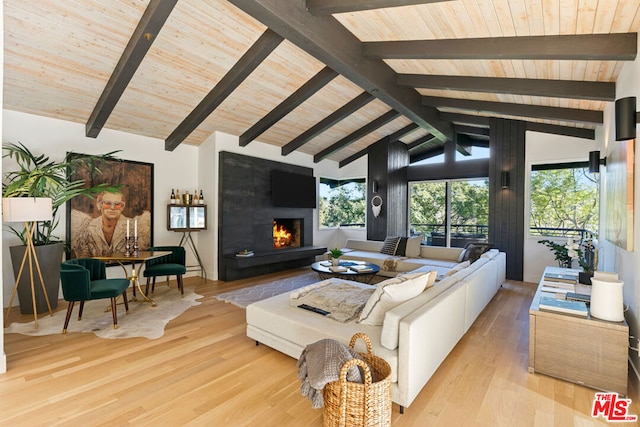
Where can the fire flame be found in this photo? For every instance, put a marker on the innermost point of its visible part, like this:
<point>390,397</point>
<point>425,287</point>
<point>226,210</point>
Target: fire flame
<point>281,236</point>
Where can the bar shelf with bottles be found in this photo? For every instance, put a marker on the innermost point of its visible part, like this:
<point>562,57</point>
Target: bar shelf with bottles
<point>186,212</point>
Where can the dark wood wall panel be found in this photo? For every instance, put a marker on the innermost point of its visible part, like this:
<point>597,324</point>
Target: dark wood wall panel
<point>245,209</point>
<point>506,206</point>
<point>387,166</point>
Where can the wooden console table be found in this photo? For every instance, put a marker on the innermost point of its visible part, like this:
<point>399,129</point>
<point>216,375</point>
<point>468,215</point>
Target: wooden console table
<point>586,351</point>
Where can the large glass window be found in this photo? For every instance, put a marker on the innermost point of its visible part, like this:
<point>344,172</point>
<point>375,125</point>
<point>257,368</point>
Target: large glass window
<point>564,201</point>
<point>341,203</point>
<point>450,213</point>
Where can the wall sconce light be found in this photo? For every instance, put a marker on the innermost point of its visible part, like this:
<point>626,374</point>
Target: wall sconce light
<point>504,180</point>
<point>374,186</point>
<point>626,118</point>
<point>594,162</point>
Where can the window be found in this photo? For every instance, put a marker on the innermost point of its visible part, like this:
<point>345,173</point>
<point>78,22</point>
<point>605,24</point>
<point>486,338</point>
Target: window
<point>564,201</point>
<point>450,213</point>
<point>341,203</point>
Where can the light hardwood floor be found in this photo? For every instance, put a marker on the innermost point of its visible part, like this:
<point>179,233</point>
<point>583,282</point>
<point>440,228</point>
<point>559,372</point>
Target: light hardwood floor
<point>205,371</point>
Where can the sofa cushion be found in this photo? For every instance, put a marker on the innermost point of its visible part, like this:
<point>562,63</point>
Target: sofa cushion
<point>402,246</point>
<point>473,251</point>
<point>440,252</point>
<point>458,267</point>
<point>391,293</point>
<point>363,245</point>
<point>389,246</point>
<point>429,276</point>
<point>413,247</point>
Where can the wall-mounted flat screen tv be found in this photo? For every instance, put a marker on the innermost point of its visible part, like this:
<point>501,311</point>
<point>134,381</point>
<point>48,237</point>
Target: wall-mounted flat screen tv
<point>292,190</point>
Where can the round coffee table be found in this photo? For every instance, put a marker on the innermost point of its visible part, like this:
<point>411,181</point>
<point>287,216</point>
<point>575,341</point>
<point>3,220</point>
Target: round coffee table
<point>351,270</point>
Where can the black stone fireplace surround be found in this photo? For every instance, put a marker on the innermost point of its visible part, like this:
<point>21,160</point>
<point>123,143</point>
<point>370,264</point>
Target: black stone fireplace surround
<point>246,217</point>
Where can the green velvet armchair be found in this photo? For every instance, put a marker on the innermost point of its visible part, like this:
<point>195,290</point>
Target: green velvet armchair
<point>167,265</point>
<point>85,279</point>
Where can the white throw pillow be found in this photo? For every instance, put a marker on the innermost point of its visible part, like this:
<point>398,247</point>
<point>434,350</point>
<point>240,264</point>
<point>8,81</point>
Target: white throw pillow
<point>391,293</point>
<point>413,247</point>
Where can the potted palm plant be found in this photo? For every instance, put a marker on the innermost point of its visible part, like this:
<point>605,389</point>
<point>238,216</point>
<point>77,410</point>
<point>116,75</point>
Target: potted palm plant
<point>335,256</point>
<point>39,176</point>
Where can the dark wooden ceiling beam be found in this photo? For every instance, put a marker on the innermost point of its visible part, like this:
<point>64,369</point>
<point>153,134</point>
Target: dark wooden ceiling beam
<point>356,135</point>
<point>471,130</point>
<point>426,154</point>
<point>602,47</point>
<point>353,157</point>
<point>151,22</point>
<point>469,119</point>
<point>562,130</point>
<point>253,57</point>
<point>340,114</point>
<point>419,141</point>
<point>328,7</point>
<point>512,109</point>
<point>303,93</point>
<point>395,136</point>
<point>584,133</point>
<point>599,91</point>
<point>332,44</point>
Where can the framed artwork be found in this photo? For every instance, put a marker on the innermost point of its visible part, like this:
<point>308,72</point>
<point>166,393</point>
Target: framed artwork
<point>619,198</point>
<point>99,226</point>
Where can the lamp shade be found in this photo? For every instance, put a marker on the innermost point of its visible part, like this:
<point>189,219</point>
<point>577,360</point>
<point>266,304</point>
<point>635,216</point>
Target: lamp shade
<point>625,118</point>
<point>594,161</point>
<point>504,180</point>
<point>26,209</point>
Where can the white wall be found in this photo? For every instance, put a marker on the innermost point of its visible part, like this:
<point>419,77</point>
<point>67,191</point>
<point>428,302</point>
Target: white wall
<point>54,138</point>
<point>209,159</point>
<point>547,148</point>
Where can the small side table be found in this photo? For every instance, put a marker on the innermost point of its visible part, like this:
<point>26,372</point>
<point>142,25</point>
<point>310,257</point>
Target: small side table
<point>586,351</point>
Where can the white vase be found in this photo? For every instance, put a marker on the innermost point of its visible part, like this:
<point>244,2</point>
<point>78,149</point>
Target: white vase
<point>606,299</point>
<point>335,261</point>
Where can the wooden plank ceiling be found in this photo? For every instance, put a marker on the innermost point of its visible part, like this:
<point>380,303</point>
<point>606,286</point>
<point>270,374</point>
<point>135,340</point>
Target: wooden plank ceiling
<point>323,77</point>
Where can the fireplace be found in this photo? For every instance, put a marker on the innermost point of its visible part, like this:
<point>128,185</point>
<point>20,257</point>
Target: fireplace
<point>287,233</point>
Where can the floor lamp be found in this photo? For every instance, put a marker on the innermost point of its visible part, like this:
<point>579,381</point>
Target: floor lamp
<point>28,210</point>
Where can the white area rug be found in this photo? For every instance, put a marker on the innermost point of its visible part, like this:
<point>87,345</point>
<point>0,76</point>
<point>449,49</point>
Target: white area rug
<point>143,320</point>
<point>245,296</point>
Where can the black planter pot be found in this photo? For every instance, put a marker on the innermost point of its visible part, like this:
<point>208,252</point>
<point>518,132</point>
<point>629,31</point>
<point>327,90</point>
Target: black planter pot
<point>584,278</point>
<point>49,258</point>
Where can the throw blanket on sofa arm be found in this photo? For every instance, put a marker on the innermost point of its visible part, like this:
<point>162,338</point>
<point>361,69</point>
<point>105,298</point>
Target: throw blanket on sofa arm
<point>320,364</point>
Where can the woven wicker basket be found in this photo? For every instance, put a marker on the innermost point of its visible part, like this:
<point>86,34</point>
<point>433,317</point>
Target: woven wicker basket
<point>349,404</point>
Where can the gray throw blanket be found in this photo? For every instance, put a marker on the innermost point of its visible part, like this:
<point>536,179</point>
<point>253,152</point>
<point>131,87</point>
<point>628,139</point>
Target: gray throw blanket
<point>320,363</point>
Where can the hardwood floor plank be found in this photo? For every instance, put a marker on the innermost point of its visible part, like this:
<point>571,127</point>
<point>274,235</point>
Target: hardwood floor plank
<point>205,372</point>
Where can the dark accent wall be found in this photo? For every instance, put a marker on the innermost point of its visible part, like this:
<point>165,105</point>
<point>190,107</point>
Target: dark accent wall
<point>506,206</point>
<point>245,210</point>
<point>387,165</point>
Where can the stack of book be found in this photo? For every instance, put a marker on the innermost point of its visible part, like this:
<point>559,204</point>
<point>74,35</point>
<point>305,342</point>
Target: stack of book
<point>338,269</point>
<point>361,268</point>
<point>559,283</point>
<point>575,308</point>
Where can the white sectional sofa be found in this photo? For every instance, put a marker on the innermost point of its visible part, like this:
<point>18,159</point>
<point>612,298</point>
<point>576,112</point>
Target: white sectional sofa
<point>415,337</point>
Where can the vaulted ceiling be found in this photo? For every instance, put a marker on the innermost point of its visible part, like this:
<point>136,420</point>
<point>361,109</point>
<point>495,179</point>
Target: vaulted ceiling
<point>323,77</point>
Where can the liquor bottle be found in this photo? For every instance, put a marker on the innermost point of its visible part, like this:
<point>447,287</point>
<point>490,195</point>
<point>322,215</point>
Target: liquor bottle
<point>201,198</point>
<point>187,198</point>
<point>178,200</point>
<point>173,197</point>
<point>195,197</point>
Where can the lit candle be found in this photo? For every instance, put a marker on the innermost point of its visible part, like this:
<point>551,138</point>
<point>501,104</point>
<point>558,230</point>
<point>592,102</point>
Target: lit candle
<point>135,229</point>
<point>127,229</point>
